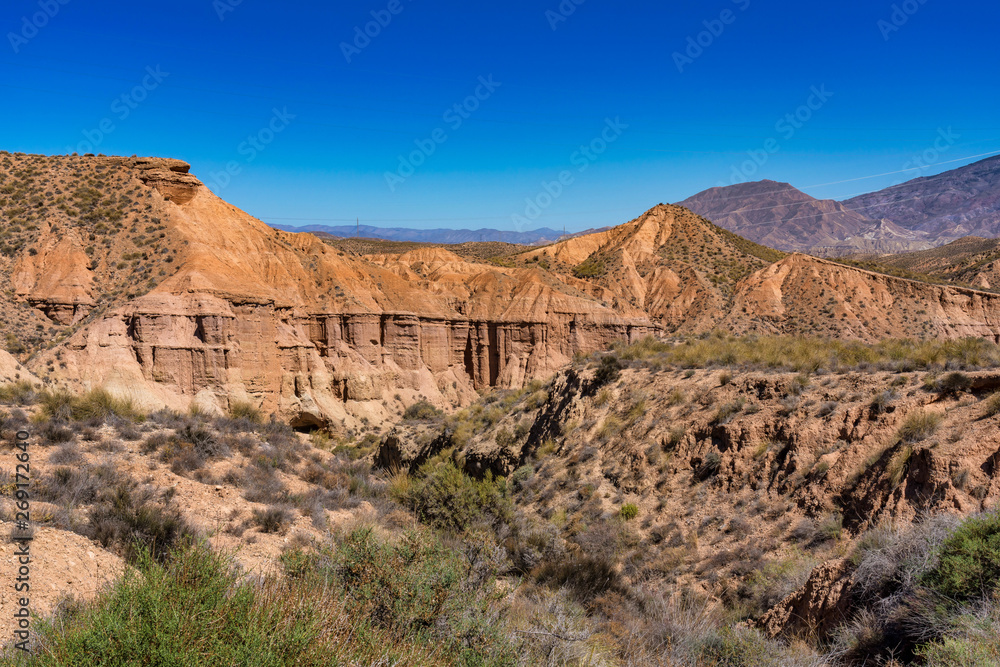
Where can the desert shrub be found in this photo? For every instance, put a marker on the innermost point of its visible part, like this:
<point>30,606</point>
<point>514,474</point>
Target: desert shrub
<point>804,531</point>
<point>282,447</point>
<point>203,440</point>
<point>748,647</point>
<point>54,432</point>
<point>519,478</point>
<point>274,519</point>
<point>809,353</point>
<point>729,410</point>
<point>919,426</point>
<point>831,527</point>
<point>419,587</point>
<point>610,428</point>
<point>69,453</point>
<point>169,418</point>
<point>129,519</point>
<point>674,438</point>
<point>628,511</point>
<point>895,585</point>
<point>882,403</point>
<point>73,486</point>
<point>536,400</point>
<point>607,371</point>
<point>101,404</point>
<point>21,392</point>
<point>991,406</point>
<point>898,465</point>
<point>260,482</point>
<point>827,409</point>
<point>969,560</point>
<point>421,411</point>
<point>127,430</point>
<point>56,405</point>
<point>445,497</point>
<point>243,410</point>
<point>954,383</point>
<point>97,404</point>
<point>972,639</point>
<point>587,576</point>
<point>710,465</point>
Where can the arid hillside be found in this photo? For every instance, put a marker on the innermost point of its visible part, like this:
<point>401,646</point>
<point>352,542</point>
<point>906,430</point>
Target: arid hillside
<point>970,261</point>
<point>778,481</point>
<point>129,274</point>
<point>704,501</point>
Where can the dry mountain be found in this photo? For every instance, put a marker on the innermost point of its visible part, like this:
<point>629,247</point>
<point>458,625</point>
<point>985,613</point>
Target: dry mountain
<point>956,203</point>
<point>780,216</point>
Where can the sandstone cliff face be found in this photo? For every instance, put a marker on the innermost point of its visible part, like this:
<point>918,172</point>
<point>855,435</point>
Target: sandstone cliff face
<point>249,313</point>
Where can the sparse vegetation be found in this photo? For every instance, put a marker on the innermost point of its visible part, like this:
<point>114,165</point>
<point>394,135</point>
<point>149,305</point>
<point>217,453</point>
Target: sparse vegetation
<point>590,268</point>
<point>802,353</point>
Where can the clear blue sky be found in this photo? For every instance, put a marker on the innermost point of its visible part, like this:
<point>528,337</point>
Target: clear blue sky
<point>897,88</point>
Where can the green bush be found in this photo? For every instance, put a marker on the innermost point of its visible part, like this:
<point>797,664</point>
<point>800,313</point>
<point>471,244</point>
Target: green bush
<point>419,587</point>
<point>196,609</point>
<point>421,411</point>
<point>445,497</point>
<point>969,560</point>
<point>608,371</point>
<point>628,511</point>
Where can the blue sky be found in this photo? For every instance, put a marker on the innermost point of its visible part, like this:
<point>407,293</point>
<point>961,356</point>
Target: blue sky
<point>590,113</point>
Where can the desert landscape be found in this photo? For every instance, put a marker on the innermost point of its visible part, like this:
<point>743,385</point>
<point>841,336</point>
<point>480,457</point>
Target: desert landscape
<point>580,335</point>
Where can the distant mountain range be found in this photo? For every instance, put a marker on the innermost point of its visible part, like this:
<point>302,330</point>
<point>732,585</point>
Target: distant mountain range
<point>956,203</point>
<point>917,215</point>
<point>540,236</point>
